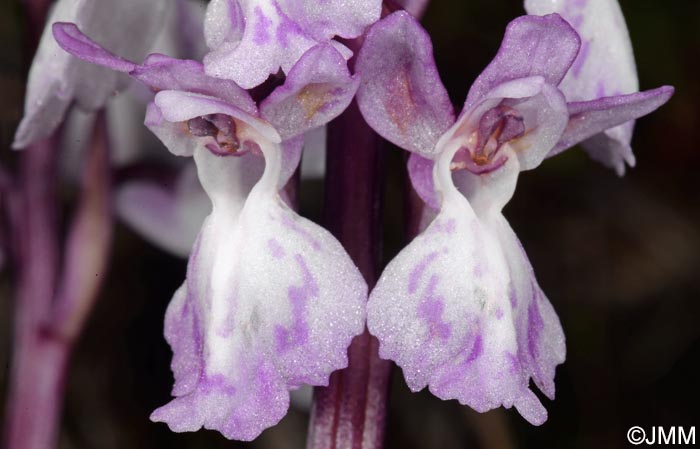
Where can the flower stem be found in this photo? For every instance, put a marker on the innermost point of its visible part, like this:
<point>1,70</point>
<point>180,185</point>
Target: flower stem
<point>49,313</point>
<point>32,386</point>
<point>350,412</point>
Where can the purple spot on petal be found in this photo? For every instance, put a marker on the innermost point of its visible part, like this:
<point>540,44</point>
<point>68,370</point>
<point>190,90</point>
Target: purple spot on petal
<point>235,15</point>
<point>477,349</point>
<point>275,249</point>
<point>513,363</point>
<point>535,325</point>
<point>444,227</point>
<point>450,226</point>
<point>418,271</point>
<point>299,296</point>
<point>289,223</point>
<point>430,310</point>
<point>262,26</point>
<point>499,313</point>
<point>286,28</point>
<point>512,296</point>
<point>217,383</point>
<point>455,373</point>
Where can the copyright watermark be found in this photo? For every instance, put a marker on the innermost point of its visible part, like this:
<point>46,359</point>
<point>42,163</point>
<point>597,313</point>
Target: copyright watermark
<point>674,435</point>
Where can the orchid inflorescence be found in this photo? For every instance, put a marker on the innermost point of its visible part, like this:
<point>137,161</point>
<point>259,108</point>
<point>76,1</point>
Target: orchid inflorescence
<point>271,300</point>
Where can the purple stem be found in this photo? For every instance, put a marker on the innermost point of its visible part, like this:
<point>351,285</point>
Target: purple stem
<point>32,214</point>
<point>49,317</point>
<point>350,412</point>
<point>34,230</point>
<point>89,241</point>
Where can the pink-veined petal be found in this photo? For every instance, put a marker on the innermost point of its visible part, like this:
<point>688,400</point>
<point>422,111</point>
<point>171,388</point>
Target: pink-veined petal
<point>401,95</point>
<point>532,46</point>
<point>605,64</point>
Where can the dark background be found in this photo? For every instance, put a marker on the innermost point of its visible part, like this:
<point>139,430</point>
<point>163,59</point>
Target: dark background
<point>619,259</point>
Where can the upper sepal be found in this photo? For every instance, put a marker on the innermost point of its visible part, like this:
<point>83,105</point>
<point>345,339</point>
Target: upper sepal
<point>401,96</point>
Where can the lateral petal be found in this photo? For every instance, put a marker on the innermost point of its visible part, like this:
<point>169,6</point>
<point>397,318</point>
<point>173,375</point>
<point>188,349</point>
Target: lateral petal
<point>317,89</point>
<point>589,119</point>
<point>532,46</point>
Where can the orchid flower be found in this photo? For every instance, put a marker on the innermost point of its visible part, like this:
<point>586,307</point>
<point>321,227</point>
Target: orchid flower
<point>459,309</point>
<point>252,39</point>
<point>604,66</point>
<point>56,79</point>
<point>271,300</point>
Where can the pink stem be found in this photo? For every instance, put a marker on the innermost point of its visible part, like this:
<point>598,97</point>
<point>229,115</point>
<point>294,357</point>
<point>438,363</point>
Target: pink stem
<point>32,387</point>
<point>350,413</point>
<point>47,323</point>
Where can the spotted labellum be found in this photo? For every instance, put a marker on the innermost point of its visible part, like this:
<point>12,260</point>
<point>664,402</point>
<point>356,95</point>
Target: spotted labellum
<point>271,300</point>
<point>459,309</point>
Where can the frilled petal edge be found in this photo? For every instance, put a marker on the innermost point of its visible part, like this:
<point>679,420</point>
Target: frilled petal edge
<point>459,311</point>
<point>271,303</point>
